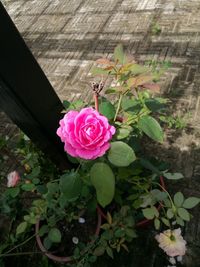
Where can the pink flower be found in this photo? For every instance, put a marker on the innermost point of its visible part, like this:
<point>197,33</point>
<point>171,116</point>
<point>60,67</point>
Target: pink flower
<point>172,242</point>
<point>13,179</point>
<point>86,134</point>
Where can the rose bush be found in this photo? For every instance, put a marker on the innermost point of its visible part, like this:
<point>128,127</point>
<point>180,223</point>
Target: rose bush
<point>86,134</point>
<point>126,186</point>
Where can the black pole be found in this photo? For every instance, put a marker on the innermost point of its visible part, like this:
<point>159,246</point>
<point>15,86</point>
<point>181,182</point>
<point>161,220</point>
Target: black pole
<point>26,95</point>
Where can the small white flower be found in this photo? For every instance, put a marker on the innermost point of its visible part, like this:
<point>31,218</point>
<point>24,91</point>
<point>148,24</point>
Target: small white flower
<point>75,240</point>
<point>172,242</point>
<point>81,220</point>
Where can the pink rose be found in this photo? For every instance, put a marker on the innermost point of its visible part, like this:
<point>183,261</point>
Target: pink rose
<point>13,179</point>
<point>86,134</point>
<point>172,242</point>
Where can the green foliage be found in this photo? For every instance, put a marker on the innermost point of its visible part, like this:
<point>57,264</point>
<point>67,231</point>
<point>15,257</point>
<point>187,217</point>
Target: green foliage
<point>21,228</point>
<point>121,154</point>
<point>103,180</point>
<point>156,29</point>
<point>178,199</point>
<point>174,121</point>
<point>107,109</point>
<point>124,180</point>
<point>54,235</point>
<point>70,185</point>
<point>151,128</point>
<point>191,202</point>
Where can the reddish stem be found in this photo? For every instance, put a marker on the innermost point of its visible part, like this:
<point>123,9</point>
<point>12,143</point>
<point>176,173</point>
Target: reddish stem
<point>96,102</point>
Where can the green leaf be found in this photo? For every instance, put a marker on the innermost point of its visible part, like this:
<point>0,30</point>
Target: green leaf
<point>148,213</point>
<point>121,154</point>
<point>165,221</point>
<point>109,252</point>
<point>34,174</point>
<point>130,233</point>
<point>21,228</point>
<point>36,181</point>
<point>154,105</point>
<point>156,212</point>
<point>151,128</point>
<point>184,214</point>
<point>66,104</point>
<point>157,223</point>
<point>119,55</point>
<point>42,189</point>
<point>191,202</point>
<point>119,232</point>
<point>107,109</point>
<point>54,235</point>
<point>43,230</point>
<point>52,187</point>
<point>103,180</point>
<point>13,192</point>
<point>71,185</point>
<point>92,258</point>
<point>77,104</point>
<point>122,133</point>
<point>178,199</point>
<point>28,187</point>
<point>173,176</point>
<point>47,243</point>
<point>131,105</point>
<point>170,213</point>
<point>99,251</point>
<point>105,226</point>
<point>149,166</point>
<point>180,221</point>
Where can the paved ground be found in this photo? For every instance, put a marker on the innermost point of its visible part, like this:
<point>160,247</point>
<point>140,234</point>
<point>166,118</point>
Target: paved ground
<point>66,36</point>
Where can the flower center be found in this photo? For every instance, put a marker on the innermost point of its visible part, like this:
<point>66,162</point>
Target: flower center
<point>172,238</point>
<point>89,130</point>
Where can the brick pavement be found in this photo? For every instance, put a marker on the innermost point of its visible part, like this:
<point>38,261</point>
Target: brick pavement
<point>67,36</point>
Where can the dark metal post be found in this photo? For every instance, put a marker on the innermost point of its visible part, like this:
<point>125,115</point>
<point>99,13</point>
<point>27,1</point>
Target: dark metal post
<point>26,95</point>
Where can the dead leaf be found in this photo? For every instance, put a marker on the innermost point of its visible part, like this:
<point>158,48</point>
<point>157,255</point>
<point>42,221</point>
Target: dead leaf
<point>139,80</point>
<point>152,86</point>
<point>104,61</point>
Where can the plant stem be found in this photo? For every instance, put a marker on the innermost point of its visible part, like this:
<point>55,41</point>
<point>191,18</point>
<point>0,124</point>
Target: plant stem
<point>118,106</point>
<point>20,253</point>
<point>19,245</point>
<point>167,194</point>
<point>96,102</point>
